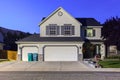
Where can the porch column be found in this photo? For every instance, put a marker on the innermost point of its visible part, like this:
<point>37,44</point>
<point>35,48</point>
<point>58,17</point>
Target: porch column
<point>102,51</point>
<point>19,57</point>
<point>97,49</point>
<point>21,54</point>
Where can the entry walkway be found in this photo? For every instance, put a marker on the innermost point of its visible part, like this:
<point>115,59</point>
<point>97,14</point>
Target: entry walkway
<point>50,66</point>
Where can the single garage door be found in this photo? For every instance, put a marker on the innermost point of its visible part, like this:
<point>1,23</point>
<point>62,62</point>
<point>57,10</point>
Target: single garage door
<point>60,53</point>
<point>26,50</point>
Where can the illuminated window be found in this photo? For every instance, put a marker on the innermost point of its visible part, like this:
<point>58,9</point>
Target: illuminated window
<point>90,32</point>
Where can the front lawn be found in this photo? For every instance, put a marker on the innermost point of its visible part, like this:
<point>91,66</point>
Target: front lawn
<point>3,60</point>
<point>110,63</point>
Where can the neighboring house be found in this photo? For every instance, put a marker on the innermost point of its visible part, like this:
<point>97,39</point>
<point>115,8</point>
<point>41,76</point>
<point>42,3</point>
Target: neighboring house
<point>61,38</point>
<point>112,50</point>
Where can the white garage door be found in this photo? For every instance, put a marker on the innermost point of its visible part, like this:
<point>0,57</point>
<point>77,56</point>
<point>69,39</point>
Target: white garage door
<point>60,53</point>
<point>26,50</point>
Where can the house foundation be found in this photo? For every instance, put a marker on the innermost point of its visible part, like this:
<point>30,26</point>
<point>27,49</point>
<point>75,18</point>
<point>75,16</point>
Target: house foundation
<point>80,57</point>
<point>19,57</point>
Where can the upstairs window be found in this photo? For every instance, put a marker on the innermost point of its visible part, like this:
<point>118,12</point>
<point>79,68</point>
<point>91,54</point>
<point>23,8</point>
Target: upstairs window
<point>52,29</point>
<point>89,32</point>
<point>67,29</point>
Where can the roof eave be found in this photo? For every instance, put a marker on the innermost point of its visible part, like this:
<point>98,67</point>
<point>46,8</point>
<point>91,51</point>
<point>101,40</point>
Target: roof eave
<point>49,16</point>
<point>30,42</point>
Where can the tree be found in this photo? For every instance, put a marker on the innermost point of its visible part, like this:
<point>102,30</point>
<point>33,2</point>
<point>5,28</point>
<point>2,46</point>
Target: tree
<point>111,32</point>
<point>88,49</point>
<point>10,39</point>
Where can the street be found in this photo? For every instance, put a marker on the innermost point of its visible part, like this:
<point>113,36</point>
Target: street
<point>54,75</point>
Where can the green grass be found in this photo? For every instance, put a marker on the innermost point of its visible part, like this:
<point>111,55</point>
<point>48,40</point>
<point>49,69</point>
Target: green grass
<point>110,63</point>
<point>3,60</point>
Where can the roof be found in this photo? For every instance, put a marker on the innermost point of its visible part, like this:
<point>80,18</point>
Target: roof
<point>37,38</point>
<point>89,22</point>
<point>44,19</point>
<point>84,21</point>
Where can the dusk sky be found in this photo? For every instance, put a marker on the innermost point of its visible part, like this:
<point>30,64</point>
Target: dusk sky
<point>25,15</point>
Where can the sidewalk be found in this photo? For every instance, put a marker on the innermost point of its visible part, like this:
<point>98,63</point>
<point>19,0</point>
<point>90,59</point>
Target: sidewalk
<point>51,66</point>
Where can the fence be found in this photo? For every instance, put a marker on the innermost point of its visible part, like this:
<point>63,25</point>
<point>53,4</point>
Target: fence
<point>7,54</point>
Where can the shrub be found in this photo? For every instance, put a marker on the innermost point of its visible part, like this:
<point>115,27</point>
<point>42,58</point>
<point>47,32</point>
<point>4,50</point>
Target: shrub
<point>114,56</point>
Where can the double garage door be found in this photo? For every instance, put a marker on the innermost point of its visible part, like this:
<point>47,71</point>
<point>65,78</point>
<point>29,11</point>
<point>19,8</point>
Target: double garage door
<point>53,53</point>
<point>60,53</point>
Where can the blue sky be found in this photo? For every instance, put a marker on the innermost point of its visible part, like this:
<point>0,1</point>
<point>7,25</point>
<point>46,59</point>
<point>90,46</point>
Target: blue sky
<point>25,15</point>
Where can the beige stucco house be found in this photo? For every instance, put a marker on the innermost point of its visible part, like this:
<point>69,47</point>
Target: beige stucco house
<point>61,38</point>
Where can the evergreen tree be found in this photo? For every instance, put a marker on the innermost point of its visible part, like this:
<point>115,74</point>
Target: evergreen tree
<point>10,39</point>
<point>111,32</point>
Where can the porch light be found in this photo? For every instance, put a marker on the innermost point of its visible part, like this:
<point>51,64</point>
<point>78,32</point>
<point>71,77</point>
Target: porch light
<point>80,47</point>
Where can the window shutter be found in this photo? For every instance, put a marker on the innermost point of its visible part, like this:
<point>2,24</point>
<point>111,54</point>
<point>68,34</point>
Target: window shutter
<point>73,30</point>
<point>58,30</point>
<point>62,30</point>
<point>93,32</point>
<point>47,30</point>
<point>85,33</point>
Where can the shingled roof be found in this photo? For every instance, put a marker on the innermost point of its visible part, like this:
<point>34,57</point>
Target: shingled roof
<point>88,21</point>
<point>37,38</point>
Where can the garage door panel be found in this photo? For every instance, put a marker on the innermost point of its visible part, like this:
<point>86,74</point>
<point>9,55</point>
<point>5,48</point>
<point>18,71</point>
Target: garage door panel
<point>27,50</point>
<point>57,53</point>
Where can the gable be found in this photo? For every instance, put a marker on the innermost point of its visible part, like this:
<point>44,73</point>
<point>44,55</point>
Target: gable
<point>60,17</point>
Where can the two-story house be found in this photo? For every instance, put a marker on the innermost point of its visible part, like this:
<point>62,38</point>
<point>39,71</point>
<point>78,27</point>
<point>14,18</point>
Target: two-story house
<point>61,38</point>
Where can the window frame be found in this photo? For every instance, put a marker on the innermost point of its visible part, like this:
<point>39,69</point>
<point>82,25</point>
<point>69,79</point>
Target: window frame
<point>52,29</point>
<point>91,34</point>
<point>68,29</point>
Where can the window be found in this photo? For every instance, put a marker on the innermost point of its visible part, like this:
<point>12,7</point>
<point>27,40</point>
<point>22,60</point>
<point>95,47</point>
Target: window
<point>67,30</point>
<point>52,29</point>
<point>90,32</point>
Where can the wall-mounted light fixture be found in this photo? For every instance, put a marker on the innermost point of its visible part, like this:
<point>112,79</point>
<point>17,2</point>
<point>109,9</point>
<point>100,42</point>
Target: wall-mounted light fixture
<point>80,47</point>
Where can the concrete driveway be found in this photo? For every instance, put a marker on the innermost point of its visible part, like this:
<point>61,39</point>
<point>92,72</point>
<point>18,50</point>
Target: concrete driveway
<point>43,66</point>
<point>50,66</point>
